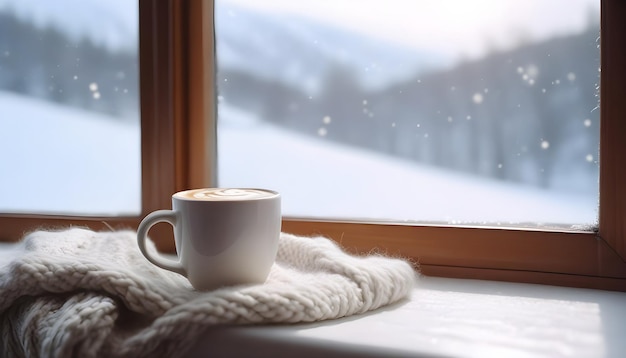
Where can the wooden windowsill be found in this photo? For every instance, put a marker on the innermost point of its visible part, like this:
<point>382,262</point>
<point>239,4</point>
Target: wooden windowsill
<point>576,259</point>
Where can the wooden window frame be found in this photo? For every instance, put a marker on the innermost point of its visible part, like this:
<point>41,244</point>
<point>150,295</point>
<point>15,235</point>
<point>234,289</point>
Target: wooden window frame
<point>178,119</point>
<point>157,143</point>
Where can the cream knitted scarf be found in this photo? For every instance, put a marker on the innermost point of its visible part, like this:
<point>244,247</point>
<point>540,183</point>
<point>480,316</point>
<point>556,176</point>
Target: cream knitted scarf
<point>83,293</point>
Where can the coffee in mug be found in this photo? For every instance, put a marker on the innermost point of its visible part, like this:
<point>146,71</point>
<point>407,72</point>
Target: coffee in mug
<point>223,237</point>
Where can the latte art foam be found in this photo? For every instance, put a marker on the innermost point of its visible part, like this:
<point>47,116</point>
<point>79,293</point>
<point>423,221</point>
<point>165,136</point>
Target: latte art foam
<point>225,194</point>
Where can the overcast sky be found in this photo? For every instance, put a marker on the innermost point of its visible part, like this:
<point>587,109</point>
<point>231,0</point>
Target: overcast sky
<point>450,27</point>
<point>453,27</point>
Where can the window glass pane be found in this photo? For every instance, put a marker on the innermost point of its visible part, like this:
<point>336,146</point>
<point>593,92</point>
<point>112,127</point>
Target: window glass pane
<point>447,111</point>
<point>69,122</point>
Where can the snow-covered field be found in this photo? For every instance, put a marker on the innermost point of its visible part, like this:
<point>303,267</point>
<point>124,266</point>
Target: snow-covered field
<point>56,159</point>
<point>318,178</point>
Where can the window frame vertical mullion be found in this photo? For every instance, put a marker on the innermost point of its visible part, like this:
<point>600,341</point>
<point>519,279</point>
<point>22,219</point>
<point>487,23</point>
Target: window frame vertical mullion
<point>195,94</point>
<point>612,210</point>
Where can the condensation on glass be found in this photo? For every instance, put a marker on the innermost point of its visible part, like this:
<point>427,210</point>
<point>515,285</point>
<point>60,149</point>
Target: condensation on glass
<point>451,111</point>
<point>69,111</point>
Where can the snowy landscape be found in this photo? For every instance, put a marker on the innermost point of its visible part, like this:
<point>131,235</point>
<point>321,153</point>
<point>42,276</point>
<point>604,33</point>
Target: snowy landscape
<point>61,156</point>
<point>58,159</point>
<point>343,125</point>
<point>321,179</point>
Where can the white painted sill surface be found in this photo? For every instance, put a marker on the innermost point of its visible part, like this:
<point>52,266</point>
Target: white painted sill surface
<point>450,318</point>
<point>446,317</point>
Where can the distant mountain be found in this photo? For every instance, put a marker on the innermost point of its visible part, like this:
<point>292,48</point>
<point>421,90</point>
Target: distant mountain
<point>524,115</point>
<point>294,49</point>
<point>299,51</point>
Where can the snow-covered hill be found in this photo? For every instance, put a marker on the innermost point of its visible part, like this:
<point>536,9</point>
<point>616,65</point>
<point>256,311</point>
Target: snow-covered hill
<point>299,50</point>
<point>318,178</point>
<point>59,159</point>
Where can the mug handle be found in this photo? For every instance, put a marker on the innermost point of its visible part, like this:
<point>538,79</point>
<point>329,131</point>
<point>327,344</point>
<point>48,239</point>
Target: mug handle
<point>170,217</point>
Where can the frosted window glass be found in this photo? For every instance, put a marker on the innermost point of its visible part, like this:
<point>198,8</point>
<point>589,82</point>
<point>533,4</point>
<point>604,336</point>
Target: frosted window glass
<point>69,111</point>
<point>447,111</point>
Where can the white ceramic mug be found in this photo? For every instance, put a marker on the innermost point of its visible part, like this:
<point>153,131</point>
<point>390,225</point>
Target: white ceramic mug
<point>223,237</point>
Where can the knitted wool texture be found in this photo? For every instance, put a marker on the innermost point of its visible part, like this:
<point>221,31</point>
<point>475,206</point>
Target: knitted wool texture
<point>83,293</point>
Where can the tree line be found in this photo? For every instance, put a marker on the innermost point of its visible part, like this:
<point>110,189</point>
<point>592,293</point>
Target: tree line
<point>526,115</point>
<point>44,62</point>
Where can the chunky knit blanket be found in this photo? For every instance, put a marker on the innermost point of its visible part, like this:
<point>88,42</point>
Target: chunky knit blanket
<point>82,293</point>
